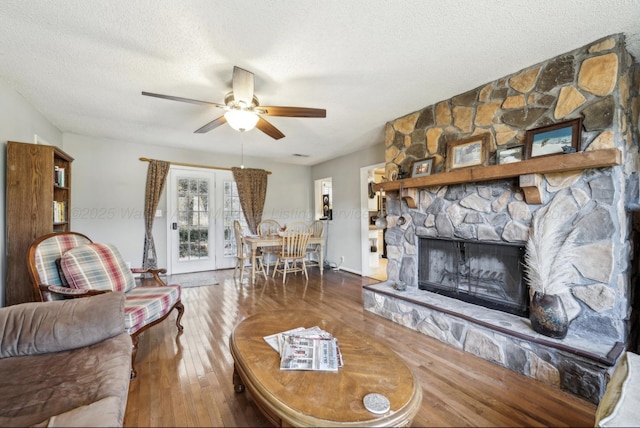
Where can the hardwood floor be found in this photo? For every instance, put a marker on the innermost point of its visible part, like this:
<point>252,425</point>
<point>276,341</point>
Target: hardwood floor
<point>379,273</point>
<point>186,379</point>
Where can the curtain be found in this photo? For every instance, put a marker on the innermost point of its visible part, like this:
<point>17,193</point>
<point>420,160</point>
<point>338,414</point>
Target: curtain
<point>156,177</point>
<point>252,190</point>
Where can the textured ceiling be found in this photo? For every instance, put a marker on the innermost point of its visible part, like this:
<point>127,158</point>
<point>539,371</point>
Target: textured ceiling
<point>83,63</point>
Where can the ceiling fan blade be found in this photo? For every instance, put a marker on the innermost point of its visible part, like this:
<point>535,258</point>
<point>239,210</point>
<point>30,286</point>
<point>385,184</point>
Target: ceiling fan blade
<point>269,129</point>
<point>213,124</point>
<point>184,100</point>
<point>243,84</point>
<point>293,111</point>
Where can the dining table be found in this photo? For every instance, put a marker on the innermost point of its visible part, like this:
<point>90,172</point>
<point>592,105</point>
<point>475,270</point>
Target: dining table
<point>257,241</point>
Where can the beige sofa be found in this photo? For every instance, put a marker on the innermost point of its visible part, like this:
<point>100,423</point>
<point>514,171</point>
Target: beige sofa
<point>64,363</point>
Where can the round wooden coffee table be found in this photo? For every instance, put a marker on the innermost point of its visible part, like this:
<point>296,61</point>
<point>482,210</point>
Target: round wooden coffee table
<point>313,398</point>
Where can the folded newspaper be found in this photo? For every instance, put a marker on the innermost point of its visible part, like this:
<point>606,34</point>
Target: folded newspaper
<point>306,349</point>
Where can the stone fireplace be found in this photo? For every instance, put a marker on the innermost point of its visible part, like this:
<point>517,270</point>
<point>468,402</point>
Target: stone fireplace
<point>441,248</point>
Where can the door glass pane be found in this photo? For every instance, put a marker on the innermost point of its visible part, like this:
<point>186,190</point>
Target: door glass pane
<point>232,211</point>
<point>182,186</point>
<point>193,218</point>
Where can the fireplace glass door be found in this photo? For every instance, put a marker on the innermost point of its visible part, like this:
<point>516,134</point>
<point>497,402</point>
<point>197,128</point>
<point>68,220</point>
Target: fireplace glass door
<point>483,273</point>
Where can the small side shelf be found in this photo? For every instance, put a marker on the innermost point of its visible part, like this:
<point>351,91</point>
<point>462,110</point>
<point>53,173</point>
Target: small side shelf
<point>526,170</point>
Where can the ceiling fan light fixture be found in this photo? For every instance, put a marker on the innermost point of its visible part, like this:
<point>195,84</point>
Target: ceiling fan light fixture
<point>241,120</point>
<point>243,111</point>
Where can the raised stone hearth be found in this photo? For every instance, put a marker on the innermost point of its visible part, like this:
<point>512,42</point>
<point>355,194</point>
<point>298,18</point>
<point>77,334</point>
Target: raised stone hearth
<point>599,83</point>
<point>577,363</point>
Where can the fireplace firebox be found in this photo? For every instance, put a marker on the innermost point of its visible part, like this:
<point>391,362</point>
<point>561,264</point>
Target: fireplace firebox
<point>483,273</point>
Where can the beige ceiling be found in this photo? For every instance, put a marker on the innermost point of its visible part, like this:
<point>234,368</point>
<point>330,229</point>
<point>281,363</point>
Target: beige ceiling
<point>83,63</point>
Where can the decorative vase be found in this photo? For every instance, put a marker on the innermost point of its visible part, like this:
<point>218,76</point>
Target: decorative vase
<point>548,316</point>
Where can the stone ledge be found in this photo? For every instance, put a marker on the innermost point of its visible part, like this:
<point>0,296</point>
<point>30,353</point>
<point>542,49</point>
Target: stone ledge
<point>602,350</point>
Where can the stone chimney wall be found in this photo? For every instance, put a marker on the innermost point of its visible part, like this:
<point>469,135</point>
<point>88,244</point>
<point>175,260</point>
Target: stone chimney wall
<point>599,82</point>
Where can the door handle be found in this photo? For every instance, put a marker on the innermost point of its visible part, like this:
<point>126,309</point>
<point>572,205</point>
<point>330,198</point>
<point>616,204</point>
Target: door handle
<point>174,226</point>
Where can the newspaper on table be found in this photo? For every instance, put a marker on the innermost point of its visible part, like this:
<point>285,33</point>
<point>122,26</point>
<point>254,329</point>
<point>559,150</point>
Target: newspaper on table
<point>306,349</point>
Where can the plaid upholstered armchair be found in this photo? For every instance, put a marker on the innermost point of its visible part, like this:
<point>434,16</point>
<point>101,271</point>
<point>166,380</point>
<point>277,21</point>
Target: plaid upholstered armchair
<point>68,265</point>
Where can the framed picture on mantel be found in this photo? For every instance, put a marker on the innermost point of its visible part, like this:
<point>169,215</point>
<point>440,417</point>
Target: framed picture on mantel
<point>422,167</point>
<point>468,152</point>
<point>563,137</point>
<point>509,154</point>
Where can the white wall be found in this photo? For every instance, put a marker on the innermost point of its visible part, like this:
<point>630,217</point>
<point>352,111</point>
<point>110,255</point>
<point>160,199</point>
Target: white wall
<point>108,182</point>
<point>343,233</point>
<point>19,121</point>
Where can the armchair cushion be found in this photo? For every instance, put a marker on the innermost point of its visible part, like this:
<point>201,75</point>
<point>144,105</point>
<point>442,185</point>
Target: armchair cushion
<point>50,250</point>
<point>98,267</point>
<point>148,303</point>
<point>37,328</point>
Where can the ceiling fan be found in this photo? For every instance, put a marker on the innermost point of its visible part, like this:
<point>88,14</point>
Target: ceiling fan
<point>243,111</point>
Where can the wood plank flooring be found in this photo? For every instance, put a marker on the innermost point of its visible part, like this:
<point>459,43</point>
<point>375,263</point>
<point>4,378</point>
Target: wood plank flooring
<point>186,379</point>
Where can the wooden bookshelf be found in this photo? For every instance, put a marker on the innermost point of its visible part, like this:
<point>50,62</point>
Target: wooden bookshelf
<point>32,188</point>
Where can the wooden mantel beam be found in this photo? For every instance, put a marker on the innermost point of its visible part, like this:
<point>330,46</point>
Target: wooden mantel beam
<point>541,165</point>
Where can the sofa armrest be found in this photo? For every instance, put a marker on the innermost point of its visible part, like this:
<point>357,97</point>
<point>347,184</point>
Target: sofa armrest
<point>44,327</point>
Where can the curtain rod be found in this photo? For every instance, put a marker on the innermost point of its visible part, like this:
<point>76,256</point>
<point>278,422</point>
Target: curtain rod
<point>194,165</point>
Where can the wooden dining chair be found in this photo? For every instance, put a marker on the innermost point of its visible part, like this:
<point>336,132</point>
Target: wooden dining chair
<point>243,253</point>
<point>298,227</point>
<point>269,227</point>
<point>317,230</point>
<point>292,254</point>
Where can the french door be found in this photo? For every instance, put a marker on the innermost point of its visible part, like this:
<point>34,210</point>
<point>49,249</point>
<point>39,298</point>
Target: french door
<point>191,231</point>
<point>202,204</point>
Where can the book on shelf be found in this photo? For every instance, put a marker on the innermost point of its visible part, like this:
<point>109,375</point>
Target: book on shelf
<point>59,211</point>
<point>58,176</point>
<point>306,349</point>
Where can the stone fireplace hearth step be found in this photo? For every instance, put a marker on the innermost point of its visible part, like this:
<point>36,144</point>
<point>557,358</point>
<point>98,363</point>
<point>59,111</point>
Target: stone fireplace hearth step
<point>595,348</point>
<point>580,365</point>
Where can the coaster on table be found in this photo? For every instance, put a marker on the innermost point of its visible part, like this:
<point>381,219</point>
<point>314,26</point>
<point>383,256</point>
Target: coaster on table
<point>376,403</point>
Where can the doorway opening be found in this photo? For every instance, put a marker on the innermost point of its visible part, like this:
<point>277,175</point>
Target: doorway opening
<point>374,261</point>
<point>323,199</point>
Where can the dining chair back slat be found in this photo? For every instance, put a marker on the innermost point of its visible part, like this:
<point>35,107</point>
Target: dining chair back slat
<point>268,227</point>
